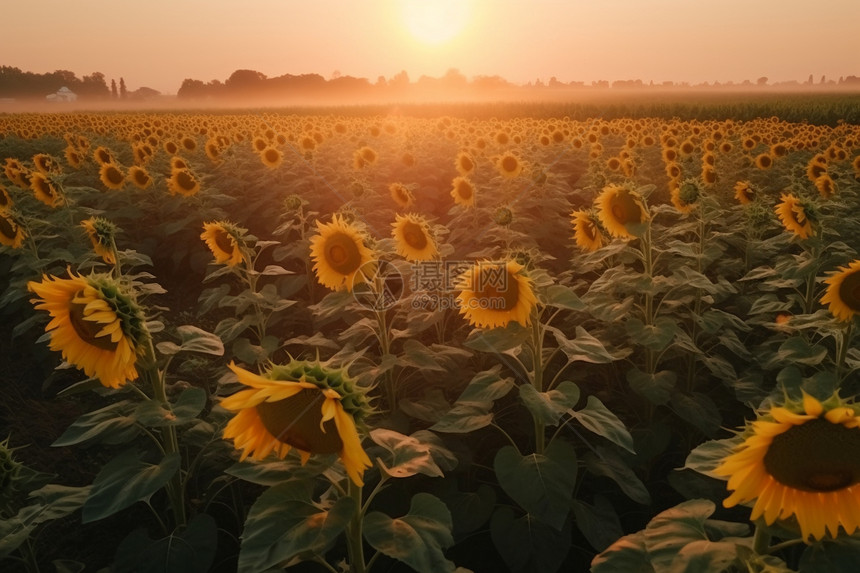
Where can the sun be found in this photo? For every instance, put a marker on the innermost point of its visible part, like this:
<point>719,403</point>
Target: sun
<point>435,22</point>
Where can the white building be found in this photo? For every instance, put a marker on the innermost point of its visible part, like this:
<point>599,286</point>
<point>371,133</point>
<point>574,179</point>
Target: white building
<point>63,94</point>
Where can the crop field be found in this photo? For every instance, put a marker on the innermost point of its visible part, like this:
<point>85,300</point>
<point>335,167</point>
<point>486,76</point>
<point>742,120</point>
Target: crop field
<point>525,339</point>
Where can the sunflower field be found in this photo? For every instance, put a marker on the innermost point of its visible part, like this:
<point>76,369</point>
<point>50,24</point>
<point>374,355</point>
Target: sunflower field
<point>332,341</point>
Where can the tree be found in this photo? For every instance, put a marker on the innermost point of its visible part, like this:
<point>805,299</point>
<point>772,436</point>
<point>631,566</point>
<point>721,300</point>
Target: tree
<point>762,81</point>
<point>123,92</point>
<point>114,94</point>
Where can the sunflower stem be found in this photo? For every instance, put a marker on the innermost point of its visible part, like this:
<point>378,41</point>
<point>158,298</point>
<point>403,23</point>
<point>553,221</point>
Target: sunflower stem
<point>537,378</point>
<point>170,439</point>
<point>843,343</point>
<point>761,541</point>
<point>355,538</point>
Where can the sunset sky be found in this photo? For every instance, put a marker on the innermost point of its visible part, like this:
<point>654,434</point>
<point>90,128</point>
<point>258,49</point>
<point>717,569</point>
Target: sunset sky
<point>158,43</point>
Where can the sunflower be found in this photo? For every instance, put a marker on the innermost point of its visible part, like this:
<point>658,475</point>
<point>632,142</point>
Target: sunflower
<point>303,405</point>
<point>46,164</point>
<point>177,163</point>
<point>801,460</point>
<point>685,195</point>
<point>495,294</point>
<point>139,176</point>
<point>586,232</point>
<point>271,157</point>
<point>412,238</point>
<point>744,192</point>
<point>44,190</point>
<point>825,185</point>
<point>111,176</point>
<point>103,155</point>
<point>793,215</point>
<point>843,292</point>
<point>339,254</point>
<point>509,165</point>
<point>402,195</point>
<point>464,163</point>
<point>101,233</point>
<point>5,199</point>
<point>96,324</point>
<point>12,234</point>
<point>183,182</point>
<point>618,208</point>
<point>463,192</point>
<point>225,240</point>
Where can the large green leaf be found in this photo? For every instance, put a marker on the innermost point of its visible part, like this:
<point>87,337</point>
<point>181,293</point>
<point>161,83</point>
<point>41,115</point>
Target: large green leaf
<point>497,339</point>
<point>527,544</point>
<point>670,531</point>
<point>549,407</point>
<point>542,484</point>
<point>53,502</point>
<point>585,347</point>
<point>627,555</point>
<point>152,413</point>
<point>418,539</point>
<point>405,456</point>
<point>125,480</point>
<point>707,456</point>
<point>284,522</point>
<point>561,296</point>
<point>599,523</point>
<point>657,387</point>
<point>112,424</point>
<point>798,350</point>
<point>193,340</point>
<point>472,410</point>
<point>655,336</point>
<point>605,462</point>
<point>273,471</point>
<point>600,420</point>
<point>699,410</point>
<point>841,555</point>
<point>190,550</point>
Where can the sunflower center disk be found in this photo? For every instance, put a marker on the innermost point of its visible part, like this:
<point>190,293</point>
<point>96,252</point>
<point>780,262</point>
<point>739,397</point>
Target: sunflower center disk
<point>87,329</point>
<point>626,210</point>
<point>341,253</point>
<point>222,239</point>
<point>849,291</point>
<point>496,296</point>
<point>8,228</point>
<point>817,456</point>
<point>296,421</point>
<point>414,236</point>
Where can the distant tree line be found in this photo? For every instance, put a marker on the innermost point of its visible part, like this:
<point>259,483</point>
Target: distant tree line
<point>18,84</point>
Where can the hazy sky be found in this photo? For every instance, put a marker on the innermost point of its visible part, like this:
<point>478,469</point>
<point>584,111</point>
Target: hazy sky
<point>158,43</point>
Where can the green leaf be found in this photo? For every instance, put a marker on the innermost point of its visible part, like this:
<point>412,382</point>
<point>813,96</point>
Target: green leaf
<point>193,340</point>
<point>275,270</point>
<point>272,472</point>
<point>152,413</point>
<point>599,523</point>
<point>527,544</point>
<point>798,350</point>
<point>607,463</point>
<point>231,327</point>
<point>421,357</point>
<point>600,420</point>
<point>405,456</point>
<point>497,339</point>
<point>704,555</point>
<point>283,523</point>
<point>628,554</point>
<point>53,502</point>
<point>549,407</point>
<point>657,387</point>
<point>671,530</point>
<point>542,484</point>
<point>472,410</point>
<point>654,337</point>
<point>560,296</point>
<point>418,539</point>
<point>585,347</point>
<point>706,457</point>
<point>839,555</point>
<point>112,424</point>
<point>190,550</point>
<point>699,410</point>
<point>125,480</point>
<point>470,510</point>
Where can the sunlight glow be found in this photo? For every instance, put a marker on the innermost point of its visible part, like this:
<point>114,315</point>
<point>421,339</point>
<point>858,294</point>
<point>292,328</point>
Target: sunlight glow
<point>435,21</point>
